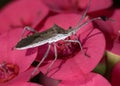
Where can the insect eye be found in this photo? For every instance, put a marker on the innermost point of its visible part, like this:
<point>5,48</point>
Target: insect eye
<point>104,18</point>
<point>70,27</point>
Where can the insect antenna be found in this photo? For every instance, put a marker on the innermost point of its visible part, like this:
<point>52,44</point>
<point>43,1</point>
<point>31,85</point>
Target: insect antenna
<point>103,18</point>
<point>78,26</point>
<point>83,15</point>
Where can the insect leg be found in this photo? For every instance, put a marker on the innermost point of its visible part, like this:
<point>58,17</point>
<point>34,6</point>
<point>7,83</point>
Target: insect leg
<point>55,49</point>
<point>44,57</point>
<point>77,41</point>
<point>29,29</point>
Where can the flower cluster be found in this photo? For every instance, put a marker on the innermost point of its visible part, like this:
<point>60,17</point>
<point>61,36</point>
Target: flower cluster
<point>95,62</point>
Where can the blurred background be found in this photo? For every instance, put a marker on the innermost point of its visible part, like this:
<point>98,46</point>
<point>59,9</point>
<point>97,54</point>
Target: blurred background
<point>116,3</point>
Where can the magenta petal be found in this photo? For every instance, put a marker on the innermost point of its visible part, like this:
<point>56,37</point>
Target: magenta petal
<point>94,44</point>
<point>42,79</point>
<point>65,21</point>
<point>111,27</point>
<point>97,80</point>
<point>21,80</point>
<point>116,47</point>
<point>23,58</point>
<point>22,12</point>
<point>100,5</point>
<point>59,6</point>
<point>21,84</point>
<point>70,75</point>
<point>115,81</point>
<point>90,79</point>
<point>116,24</point>
<point>27,84</point>
<point>73,5</point>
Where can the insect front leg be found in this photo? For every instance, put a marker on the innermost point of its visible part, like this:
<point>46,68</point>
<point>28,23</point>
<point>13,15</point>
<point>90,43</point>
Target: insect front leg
<point>55,50</point>
<point>44,57</point>
<point>78,41</point>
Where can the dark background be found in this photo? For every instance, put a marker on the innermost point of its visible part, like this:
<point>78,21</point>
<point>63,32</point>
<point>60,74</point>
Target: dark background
<point>116,3</point>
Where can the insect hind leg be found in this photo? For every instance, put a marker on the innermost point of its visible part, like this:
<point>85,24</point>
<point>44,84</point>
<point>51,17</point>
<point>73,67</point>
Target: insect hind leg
<point>55,50</point>
<point>44,57</point>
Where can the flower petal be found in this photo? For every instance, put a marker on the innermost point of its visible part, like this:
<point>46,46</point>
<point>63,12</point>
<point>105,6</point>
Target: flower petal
<point>22,12</point>
<point>70,75</point>
<point>110,28</point>
<point>42,79</point>
<point>116,24</point>
<point>21,80</point>
<point>115,81</point>
<point>74,5</point>
<point>116,47</point>
<point>23,58</point>
<point>99,5</point>
<point>59,6</point>
<point>90,79</point>
<point>94,44</point>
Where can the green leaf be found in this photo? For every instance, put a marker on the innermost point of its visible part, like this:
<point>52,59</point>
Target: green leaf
<point>111,60</point>
<point>101,69</point>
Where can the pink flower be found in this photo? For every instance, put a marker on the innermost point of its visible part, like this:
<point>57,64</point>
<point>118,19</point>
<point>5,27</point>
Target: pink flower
<point>21,13</point>
<point>75,5</point>
<point>71,75</point>
<point>86,35</point>
<point>14,63</point>
<point>75,69</point>
<point>99,5</point>
<point>115,80</point>
<point>116,31</point>
<point>59,6</point>
<point>15,16</point>
<point>111,29</point>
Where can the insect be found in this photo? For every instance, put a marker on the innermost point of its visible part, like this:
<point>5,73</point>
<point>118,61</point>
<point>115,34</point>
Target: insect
<point>51,36</point>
